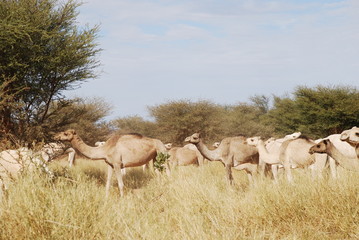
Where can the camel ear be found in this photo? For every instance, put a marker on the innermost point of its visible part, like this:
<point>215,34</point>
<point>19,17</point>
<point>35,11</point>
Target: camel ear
<point>187,139</point>
<point>326,141</point>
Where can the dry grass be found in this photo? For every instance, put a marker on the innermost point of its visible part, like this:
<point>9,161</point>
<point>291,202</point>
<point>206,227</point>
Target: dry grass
<point>194,203</point>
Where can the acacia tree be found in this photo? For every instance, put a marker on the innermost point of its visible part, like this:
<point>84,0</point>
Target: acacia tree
<point>44,52</point>
<point>135,124</point>
<point>178,119</point>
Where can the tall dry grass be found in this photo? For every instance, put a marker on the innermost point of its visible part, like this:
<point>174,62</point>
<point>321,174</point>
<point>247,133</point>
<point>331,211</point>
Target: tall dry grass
<point>194,203</point>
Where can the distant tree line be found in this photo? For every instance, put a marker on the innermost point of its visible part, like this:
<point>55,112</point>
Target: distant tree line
<point>316,112</point>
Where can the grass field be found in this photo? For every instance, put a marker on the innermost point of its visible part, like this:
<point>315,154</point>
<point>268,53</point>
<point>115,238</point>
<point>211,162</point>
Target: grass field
<point>194,203</point>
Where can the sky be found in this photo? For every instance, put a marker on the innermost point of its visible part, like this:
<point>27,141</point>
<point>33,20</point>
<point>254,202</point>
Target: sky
<point>223,51</point>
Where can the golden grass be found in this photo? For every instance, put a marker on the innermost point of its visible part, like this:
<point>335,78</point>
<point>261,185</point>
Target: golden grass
<point>194,203</point>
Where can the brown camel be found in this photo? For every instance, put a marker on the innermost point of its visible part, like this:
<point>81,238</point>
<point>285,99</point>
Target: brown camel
<point>186,155</point>
<point>119,151</point>
<point>232,152</point>
<point>326,146</point>
<point>352,137</point>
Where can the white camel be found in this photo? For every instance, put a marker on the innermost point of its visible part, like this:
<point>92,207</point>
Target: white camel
<point>351,136</point>
<point>344,147</point>
<point>269,151</point>
<point>13,162</point>
<point>327,147</point>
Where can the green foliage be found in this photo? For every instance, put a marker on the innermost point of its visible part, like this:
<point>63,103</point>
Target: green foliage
<point>177,120</point>
<point>283,116</point>
<point>159,162</point>
<point>317,112</point>
<point>245,119</point>
<point>43,51</point>
<point>87,116</point>
<point>135,124</point>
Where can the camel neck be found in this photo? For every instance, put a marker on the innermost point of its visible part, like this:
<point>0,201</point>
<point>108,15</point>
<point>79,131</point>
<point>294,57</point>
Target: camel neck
<point>210,155</point>
<point>345,162</point>
<point>88,151</point>
<point>265,155</point>
<point>261,148</point>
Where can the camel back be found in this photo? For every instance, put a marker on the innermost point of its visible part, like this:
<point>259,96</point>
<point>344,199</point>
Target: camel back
<point>114,139</point>
<point>284,146</point>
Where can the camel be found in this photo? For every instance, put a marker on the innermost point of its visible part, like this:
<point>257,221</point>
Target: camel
<point>145,166</point>
<point>351,136</point>
<point>326,146</point>
<point>119,151</point>
<point>342,146</point>
<point>13,162</point>
<point>232,152</point>
<point>269,150</point>
<point>186,155</point>
<point>295,154</point>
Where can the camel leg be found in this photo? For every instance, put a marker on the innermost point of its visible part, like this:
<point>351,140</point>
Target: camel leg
<point>200,160</point>
<point>251,170</point>
<point>318,166</point>
<point>288,171</point>
<point>229,173</point>
<point>274,168</point>
<point>333,167</point>
<point>71,156</point>
<point>117,168</point>
<point>262,166</point>
<point>2,189</point>
<point>167,167</point>
<point>109,178</point>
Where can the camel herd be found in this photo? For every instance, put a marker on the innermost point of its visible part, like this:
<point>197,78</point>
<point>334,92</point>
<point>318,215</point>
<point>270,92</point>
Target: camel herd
<point>241,153</point>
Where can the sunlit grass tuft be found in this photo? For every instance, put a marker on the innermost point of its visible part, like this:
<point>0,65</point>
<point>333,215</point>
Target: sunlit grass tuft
<point>193,203</point>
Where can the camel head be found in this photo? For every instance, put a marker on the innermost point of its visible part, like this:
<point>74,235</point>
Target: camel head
<point>253,141</point>
<point>194,138</point>
<point>292,136</point>
<point>269,140</point>
<point>98,144</point>
<point>67,135</point>
<point>320,147</point>
<point>168,146</point>
<point>351,136</point>
<point>216,144</point>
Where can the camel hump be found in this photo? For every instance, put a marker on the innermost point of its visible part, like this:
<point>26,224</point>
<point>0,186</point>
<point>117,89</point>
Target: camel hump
<point>138,135</point>
<point>304,137</point>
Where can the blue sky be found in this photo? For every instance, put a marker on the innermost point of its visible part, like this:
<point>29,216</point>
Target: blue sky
<point>222,51</point>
